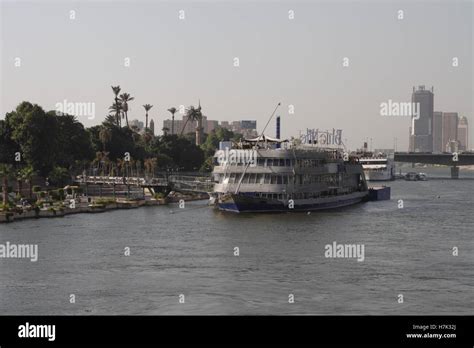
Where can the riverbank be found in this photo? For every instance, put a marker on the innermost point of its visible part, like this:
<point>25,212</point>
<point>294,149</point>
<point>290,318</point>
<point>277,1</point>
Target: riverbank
<point>97,205</point>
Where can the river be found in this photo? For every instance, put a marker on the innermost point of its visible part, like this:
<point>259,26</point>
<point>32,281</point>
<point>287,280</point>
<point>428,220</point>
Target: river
<point>190,251</point>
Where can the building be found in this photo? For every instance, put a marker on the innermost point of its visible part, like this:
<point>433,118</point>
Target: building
<point>463,134</point>
<point>152,126</point>
<point>421,137</point>
<point>212,125</point>
<point>247,128</point>
<point>450,130</point>
<point>138,125</point>
<point>438,131</point>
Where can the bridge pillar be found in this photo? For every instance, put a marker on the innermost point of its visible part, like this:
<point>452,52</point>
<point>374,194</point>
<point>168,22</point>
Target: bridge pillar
<point>454,172</point>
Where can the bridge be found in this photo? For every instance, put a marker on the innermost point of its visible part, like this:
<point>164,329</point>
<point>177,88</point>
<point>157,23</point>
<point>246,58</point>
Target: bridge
<point>454,160</point>
<point>181,183</point>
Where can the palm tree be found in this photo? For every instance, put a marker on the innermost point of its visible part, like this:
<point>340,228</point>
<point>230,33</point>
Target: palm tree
<point>116,91</point>
<point>173,111</point>
<point>147,108</point>
<point>116,107</point>
<point>105,135</point>
<point>194,114</point>
<point>19,183</point>
<point>6,172</point>
<point>27,174</point>
<point>125,98</point>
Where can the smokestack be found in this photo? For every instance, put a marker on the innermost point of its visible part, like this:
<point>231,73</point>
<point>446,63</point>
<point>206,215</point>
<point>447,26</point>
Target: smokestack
<point>278,130</point>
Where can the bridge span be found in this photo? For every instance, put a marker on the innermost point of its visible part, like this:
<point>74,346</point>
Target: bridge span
<point>454,160</point>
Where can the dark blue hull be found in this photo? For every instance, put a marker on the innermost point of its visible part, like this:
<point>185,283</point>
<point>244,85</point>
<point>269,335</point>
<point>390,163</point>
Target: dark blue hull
<point>246,204</point>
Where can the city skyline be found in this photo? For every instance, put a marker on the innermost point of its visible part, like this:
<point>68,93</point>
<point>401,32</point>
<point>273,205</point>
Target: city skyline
<point>190,60</point>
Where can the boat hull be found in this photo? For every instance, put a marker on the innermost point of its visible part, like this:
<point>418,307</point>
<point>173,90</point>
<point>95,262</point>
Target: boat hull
<point>241,203</point>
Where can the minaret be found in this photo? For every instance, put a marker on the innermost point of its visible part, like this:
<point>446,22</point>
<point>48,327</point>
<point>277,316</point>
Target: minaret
<point>152,127</point>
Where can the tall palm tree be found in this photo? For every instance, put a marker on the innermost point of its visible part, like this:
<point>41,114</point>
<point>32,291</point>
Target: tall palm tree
<point>147,108</point>
<point>105,135</point>
<point>173,111</point>
<point>27,174</point>
<point>116,107</point>
<point>116,90</point>
<point>194,114</point>
<point>125,98</point>
<point>6,172</point>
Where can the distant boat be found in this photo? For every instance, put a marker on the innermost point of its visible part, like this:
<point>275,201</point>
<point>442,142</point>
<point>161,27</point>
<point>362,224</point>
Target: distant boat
<point>377,167</point>
<point>412,176</point>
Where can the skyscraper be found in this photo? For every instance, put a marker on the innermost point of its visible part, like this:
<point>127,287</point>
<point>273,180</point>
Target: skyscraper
<point>421,137</point>
<point>463,135</point>
<point>450,129</point>
<point>438,131</point>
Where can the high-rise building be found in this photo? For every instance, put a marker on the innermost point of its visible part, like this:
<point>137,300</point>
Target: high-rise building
<point>450,129</point>
<point>438,131</point>
<point>421,137</point>
<point>152,126</point>
<point>463,134</point>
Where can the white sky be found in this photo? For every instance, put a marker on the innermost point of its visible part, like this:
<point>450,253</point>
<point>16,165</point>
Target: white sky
<point>297,62</point>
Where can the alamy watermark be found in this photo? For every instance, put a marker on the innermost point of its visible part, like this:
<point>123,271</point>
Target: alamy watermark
<point>20,251</point>
<point>392,108</point>
<point>85,109</point>
<point>347,251</point>
<point>236,157</point>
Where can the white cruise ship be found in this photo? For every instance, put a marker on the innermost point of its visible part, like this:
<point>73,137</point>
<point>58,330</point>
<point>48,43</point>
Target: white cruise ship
<point>378,168</point>
<point>293,178</point>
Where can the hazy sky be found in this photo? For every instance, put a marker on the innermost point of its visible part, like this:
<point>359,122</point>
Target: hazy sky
<point>293,61</point>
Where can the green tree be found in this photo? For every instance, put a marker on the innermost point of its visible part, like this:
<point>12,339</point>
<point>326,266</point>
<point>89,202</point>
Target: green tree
<point>6,173</point>
<point>37,134</point>
<point>147,108</point>
<point>173,111</point>
<point>117,106</point>
<point>27,173</point>
<point>125,99</point>
<point>59,176</point>
<point>105,135</point>
<point>195,115</point>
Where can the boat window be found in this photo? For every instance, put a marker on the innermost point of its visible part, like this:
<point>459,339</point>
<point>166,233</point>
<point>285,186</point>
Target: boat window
<point>282,162</point>
<point>279,180</point>
<point>273,179</point>
<point>267,178</point>
<point>253,178</point>
<point>285,179</point>
<point>269,162</point>
<point>260,178</point>
<point>276,162</point>
<point>232,178</point>
<point>288,162</point>
<point>261,162</point>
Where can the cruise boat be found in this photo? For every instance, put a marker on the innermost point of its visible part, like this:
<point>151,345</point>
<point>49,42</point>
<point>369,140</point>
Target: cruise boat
<point>378,168</point>
<point>271,175</point>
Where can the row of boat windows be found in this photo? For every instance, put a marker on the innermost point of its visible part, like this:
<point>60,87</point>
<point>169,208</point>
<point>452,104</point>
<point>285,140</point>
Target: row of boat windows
<point>300,195</point>
<point>286,162</point>
<point>278,179</point>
